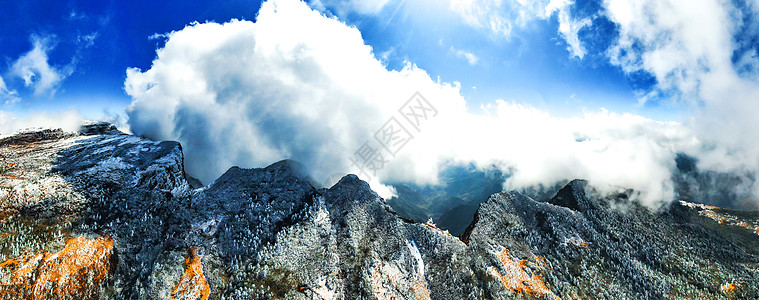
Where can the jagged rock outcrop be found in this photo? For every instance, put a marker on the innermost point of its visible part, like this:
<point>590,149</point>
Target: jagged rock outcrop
<point>29,137</point>
<point>98,128</point>
<point>610,247</point>
<point>271,233</point>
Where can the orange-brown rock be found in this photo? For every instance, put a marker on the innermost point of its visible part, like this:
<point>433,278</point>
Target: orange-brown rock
<point>79,271</point>
<point>515,278</point>
<point>729,289</point>
<point>193,284</point>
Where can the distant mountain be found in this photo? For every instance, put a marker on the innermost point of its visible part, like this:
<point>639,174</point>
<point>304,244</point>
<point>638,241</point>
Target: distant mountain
<point>104,215</point>
<point>727,190</point>
<point>452,203</point>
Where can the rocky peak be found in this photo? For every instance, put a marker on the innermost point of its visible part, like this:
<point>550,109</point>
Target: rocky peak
<point>573,196</point>
<point>29,137</point>
<point>123,161</point>
<point>285,174</point>
<point>349,192</point>
<point>98,128</point>
<point>48,135</point>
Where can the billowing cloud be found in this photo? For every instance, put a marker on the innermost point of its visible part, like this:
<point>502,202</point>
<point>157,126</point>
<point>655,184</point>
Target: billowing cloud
<point>676,42</point>
<point>690,49</point>
<point>297,84</point>
<point>34,69</point>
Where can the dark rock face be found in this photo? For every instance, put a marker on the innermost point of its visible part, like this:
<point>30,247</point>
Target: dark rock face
<point>572,196</point>
<point>271,233</point>
<point>98,128</point>
<point>29,137</point>
<point>250,206</point>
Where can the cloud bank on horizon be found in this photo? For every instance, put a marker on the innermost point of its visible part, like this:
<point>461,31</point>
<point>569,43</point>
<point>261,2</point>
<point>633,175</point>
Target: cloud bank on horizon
<point>298,84</point>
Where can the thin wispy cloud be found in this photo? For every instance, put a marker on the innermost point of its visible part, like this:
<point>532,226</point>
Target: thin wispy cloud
<point>34,69</point>
<point>569,27</point>
<point>500,17</point>
<point>8,97</point>
<point>87,40</point>
<point>468,56</point>
<point>359,6</point>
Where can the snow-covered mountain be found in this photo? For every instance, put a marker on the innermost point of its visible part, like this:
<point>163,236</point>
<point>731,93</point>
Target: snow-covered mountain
<point>104,215</point>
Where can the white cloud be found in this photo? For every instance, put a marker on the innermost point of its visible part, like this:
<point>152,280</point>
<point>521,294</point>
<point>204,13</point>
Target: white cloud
<point>299,85</point>
<point>342,7</point>
<point>368,6</point>
<point>34,69</point>
<point>569,28</point>
<point>484,14</point>
<point>7,96</point>
<point>689,48</point>
<point>556,5</point>
<point>469,56</point>
<point>69,120</point>
<point>87,40</point>
<point>678,42</point>
<point>500,16</point>
<point>74,15</point>
<point>3,87</point>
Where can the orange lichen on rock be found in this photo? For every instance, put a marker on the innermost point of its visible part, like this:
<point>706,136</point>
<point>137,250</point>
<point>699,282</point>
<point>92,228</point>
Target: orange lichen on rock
<point>722,217</point>
<point>79,271</point>
<point>515,278</point>
<point>698,205</point>
<point>714,216</point>
<point>729,289</point>
<point>729,220</point>
<point>193,284</point>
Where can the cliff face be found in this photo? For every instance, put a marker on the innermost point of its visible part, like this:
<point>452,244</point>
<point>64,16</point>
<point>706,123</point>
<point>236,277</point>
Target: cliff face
<point>105,215</point>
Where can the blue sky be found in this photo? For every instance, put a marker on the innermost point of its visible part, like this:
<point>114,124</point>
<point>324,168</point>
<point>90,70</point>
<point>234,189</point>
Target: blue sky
<point>96,41</point>
<point>120,34</point>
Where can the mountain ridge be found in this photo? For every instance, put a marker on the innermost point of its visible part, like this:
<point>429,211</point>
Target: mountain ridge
<point>273,233</point>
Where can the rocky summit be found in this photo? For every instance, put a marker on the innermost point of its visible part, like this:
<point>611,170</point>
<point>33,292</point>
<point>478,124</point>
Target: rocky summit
<point>100,214</point>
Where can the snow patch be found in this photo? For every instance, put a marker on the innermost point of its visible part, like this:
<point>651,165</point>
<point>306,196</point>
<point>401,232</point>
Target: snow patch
<point>110,164</point>
<point>103,149</point>
<point>418,256</point>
